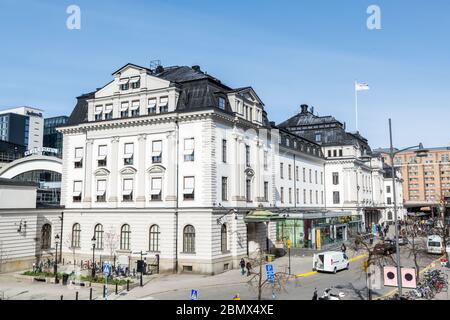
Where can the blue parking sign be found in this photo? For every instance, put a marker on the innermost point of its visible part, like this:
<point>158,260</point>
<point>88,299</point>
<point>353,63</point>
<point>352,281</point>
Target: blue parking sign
<point>194,294</point>
<point>270,273</point>
<point>106,268</point>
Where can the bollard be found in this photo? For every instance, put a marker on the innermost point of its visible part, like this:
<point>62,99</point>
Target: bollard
<point>90,293</point>
<point>104,291</point>
<point>116,287</point>
<point>141,282</point>
<point>81,263</point>
<point>61,297</point>
<point>76,295</point>
<point>128,285</point>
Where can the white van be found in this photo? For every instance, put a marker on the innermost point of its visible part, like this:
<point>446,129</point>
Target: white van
<point>435,245</point>
<point>330,261</point>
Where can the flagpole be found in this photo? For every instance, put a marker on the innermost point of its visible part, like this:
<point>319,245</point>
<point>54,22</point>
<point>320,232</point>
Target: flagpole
<point>356,107</point>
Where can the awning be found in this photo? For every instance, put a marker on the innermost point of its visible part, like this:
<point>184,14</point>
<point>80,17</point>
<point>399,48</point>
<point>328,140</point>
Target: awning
<point>76,194</point>
<point>135,79</point>
<point>418,214</point>
<point>124,81</point>
<point>101,193</point>
<point>127,192</point>
<point>155,192</point>
<point>78,159</point>
<point>101,158</point>
<point>188,191</point>
<point>128,156</point>
<point>134,106</point>
<point>262,216</point>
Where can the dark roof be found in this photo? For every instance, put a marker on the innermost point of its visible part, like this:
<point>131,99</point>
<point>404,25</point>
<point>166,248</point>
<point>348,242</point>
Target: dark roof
<point>79,113</point>
<point>10,182</point>
<point>307,119</point>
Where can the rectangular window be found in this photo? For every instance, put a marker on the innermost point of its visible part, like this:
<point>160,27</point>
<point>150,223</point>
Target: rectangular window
<point>289,172</point>
<point>336,199</point>
<point>157,151</point>
<point>164,104</point>
<point>318,137</point>
<point>334,153</point>
<point>127,190</point>
<point>290,195</point>
<point>317,197</point>
<point>98,113</point>
<point>329,153</point>
<point>296,173</point>
<point>124,84</point>
<point>124,109</point>
<point>304,196</point>
<point>388,189</point>
<point>224,189</point>
<point>282,195</point>
<point>108,111</point>
<point>78,158</point>
<point>135,82</point>
<point>189,149</point>
<point>310,175</point>
<point>281,170</point>
<point>224,151</point>
<point>321,197</point>
<point>156,192</point>
<point>321,178</point>
<point>389,200</point>
<point>304,175</point>
<point>247,156</point>
<point>340,153</point>
<point>128,154</point>
<point>102,152</point>
<point>188,188</point>
<point>315,176</point>
<point>310,197</point>
<point>248,190</point>
<point>135,108</point>
<point>101,190</point>
<point>221,103</point>
<point>151,107</point>
<point>76,196</point>
<point>266,191</point>
<point>297,196</point>
<point>335,178</point>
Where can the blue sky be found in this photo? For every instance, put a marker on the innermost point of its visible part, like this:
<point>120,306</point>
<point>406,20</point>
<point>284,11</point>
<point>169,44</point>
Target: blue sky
<point>291,52</point>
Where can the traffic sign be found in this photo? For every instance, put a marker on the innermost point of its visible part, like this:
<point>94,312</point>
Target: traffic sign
<point>194,294</point>
<point>289,243</point>
<point>270,273</point>
<point>106,268</point>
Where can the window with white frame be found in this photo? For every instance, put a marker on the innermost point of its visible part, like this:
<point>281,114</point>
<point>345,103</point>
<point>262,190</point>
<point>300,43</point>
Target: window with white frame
<point>335,178</point>
<point>266,191</point>
<point>310,197</point>
<point>124,109</point>
<point>135,108</point>
<point>221,103</point>
<point>124,84</point>
<point>98,112</point>
<point>304,196</point>
<point>127,190</point>
<point>188,188</point>
<point>76,195</point>
<point>290,195</point>
<point>101,190</point>
<point>266,155</point>
<point>224,189</point>
<point>289,172</point>
<point>282,194</point>
<point>189,149</point>
<point>336,198</point>
<point>102,153</point>
<point>157,151</point>
<point>248,190</point>
<point>108,111</point>
<point>151,107</point>
<point>128,154</point>
<point>224,151</point>
<point>135,82</point>
<point>163,104</point>
<point>156,191</point>
<point>78,161</point>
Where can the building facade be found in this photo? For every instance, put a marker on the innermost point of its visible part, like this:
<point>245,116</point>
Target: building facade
<point>52,138</point>
<point>23,126</point>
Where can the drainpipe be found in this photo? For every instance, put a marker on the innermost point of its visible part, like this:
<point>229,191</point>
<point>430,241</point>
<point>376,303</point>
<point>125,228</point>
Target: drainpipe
<point>177,196</point>
<point>295,184</point>
<point>60,244</point>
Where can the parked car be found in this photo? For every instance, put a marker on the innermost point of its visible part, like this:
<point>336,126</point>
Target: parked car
<point>435,245</point>
<point>402,241</point>
<point>385,248</point>
<point>330,261</point>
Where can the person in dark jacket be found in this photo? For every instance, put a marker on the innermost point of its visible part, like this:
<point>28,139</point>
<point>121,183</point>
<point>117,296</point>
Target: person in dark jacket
<point>343,248</point>
<point>242,265</point>
<point>249,268</point>
<point>315,294</point>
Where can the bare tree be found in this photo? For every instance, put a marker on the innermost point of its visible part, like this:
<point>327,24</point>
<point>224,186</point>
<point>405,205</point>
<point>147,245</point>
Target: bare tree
<point>68,244</point>
<point>411,233</point>
<point>442,228</point>
<point>111,242</point>
<point>258,281</point>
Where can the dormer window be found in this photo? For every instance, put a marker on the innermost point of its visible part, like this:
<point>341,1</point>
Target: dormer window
<point>98,113</point>
<point>164,104</point>
<point>135,82</point>
<point>124,109</point>
<point>318,137</point>
<point>124,84</point>
<point>221,103</point>
<point>151,108</point>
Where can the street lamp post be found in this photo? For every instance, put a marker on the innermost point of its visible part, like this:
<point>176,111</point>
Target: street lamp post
<point>93,256</point>
<point>420,153</point>
<point>56,260</point>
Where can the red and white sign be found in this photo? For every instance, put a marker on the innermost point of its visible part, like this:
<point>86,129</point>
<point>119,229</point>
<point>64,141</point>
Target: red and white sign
<point>409,278</point>
<point>390,276</point>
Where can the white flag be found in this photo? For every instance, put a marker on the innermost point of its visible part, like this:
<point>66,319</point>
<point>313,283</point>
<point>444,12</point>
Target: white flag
<point>361,86</point>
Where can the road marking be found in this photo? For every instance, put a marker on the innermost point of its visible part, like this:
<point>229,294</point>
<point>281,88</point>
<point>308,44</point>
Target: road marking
<point>308,274</point>
<point>390,293</point>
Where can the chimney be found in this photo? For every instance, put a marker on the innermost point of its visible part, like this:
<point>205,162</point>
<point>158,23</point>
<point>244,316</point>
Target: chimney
<point>196,68</point>
<point>304,108</point>
<point>159,69</point>
<point>312,110</point>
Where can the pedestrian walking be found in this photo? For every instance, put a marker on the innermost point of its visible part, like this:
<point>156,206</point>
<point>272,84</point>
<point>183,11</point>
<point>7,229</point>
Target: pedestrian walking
<point>315,294</point>
<point>249,268</point>
<point>242,264</point>
<point>343,248</point>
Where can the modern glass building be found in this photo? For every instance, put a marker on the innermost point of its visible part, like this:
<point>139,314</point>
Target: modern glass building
<point>52,138</point>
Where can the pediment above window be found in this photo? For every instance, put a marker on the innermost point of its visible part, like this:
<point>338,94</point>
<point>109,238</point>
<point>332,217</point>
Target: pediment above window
<point>101,172</point>
<point>156,169</point>
<point>128,171</point>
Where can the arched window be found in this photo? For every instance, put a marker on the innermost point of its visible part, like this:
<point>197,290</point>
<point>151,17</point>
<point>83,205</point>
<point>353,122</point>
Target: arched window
<point>224,238</point>
<point>46,236</point>
<point>98,233</point>
<point>125,237</point>
<point>76,232</point>
<point>189,239</point>
<point>153,240</point>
